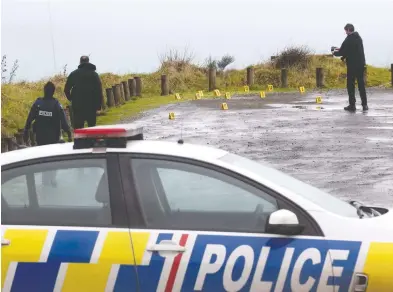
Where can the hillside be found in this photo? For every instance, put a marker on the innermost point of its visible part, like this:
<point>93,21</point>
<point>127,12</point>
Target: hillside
<point>185,78</point>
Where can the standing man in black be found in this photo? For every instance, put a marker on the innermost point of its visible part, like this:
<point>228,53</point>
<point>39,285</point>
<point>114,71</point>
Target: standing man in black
<point>83,88</point>
<point>352,52</point>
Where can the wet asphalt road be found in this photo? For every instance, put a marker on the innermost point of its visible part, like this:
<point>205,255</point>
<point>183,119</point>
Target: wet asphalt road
<point>349,155</point>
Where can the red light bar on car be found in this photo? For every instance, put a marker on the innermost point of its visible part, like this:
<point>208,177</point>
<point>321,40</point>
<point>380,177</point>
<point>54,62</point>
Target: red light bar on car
<point>118,131</point>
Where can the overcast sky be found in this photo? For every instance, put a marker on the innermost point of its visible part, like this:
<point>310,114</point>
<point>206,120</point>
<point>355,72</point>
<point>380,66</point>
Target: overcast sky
<point>127,36</point>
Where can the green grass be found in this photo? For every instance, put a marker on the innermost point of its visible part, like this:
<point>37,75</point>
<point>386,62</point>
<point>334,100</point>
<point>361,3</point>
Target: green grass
<point>185,79</point>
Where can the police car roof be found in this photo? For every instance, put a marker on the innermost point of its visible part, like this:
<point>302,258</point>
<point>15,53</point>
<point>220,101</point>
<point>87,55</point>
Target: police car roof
<point>186,150</point>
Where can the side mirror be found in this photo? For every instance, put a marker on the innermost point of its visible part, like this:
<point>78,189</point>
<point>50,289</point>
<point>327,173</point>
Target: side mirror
<point>283,222</point>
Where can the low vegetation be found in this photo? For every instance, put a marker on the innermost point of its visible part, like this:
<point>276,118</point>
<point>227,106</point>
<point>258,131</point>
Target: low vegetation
<point>185,77</point>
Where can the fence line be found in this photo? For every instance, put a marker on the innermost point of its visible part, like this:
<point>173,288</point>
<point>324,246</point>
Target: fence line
<point>125,91</point>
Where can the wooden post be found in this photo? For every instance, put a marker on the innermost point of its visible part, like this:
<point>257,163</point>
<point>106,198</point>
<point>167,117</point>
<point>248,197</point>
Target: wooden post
<point>4,145</point>
<point>110,100</point>
<point>284,78</point>
<point>11,143</point>
<point>391,73</point>
<point>71,115</point>
<point>132,87</point>
<point>19,139</point>
<point>126,90</point>
<point>138,86</point>
<point>320,77</point>
<point>116,94</point>
<point>250,76</point>
<point>164,85</point>
<point>32,138</point>
<point>212,79</point>
<point>123,99</point>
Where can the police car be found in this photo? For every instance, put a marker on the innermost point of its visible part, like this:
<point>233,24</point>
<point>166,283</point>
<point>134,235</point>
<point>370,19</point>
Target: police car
<point>115,212</point>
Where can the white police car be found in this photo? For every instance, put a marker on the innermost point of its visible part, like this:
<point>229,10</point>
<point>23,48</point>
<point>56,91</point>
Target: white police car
<point>113,212</point>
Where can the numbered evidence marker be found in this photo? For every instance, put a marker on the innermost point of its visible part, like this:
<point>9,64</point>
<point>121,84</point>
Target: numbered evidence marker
<point>171,116</point>
<point>270,87</point>
<point>318,99</point>
<point>217,92</point>
<point>177,96</point>
<point>224,106</point>
<point>200,93</point>
<point>246,89</point>
<point>227,95</point>
<point>302,89</point>
<point>197,95</point>
<point>262,94</point>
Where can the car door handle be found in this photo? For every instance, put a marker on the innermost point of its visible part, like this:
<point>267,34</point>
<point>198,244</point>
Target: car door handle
<point>166,247</point>
<point>5,242</point>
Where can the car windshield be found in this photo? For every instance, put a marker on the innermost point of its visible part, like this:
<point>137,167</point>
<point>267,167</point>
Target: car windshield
<point>317,196</point>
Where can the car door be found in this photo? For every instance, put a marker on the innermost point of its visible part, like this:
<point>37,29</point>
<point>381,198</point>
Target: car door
<point>206,230</point>
<point>64,226</point>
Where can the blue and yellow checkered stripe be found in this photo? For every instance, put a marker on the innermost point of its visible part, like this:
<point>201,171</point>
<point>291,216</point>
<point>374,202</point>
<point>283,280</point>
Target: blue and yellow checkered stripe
<point>39,263</point>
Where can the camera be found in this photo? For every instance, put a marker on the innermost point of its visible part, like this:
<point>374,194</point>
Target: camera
<point>332,49</point>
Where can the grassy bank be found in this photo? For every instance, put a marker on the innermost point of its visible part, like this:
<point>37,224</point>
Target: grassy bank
<point>184,78</point>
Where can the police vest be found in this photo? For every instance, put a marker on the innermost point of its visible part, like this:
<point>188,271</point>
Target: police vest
<point>47,116</point>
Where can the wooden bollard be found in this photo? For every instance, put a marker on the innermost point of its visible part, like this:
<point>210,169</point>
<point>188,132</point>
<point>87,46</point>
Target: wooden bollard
<point>284,78</point>
<point>138,86</point>
<point>123,99</point>
<point>110,100</point>
<point>132,87</point>
<point>126,90</point>
<point>391,73</point>
<point>116,94</point>
<point>320,77</point>
<point>11,143</point>
<point>19,139</point>
<point>32,138</point>
<point>212,79</point>
<point>250,76</point>
<point>164,85</point>
<point>4,145</point>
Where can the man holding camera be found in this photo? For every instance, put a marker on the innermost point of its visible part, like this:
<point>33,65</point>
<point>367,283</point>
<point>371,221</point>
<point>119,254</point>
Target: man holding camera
<point>352,52</point>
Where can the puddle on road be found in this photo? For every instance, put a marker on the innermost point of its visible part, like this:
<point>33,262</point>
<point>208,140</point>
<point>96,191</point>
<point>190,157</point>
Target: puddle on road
<point>378,139</point>
<point>381,128</point>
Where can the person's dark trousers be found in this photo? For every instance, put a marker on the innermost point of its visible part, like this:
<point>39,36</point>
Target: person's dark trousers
<point>352,76</point>
<point>80,117</point>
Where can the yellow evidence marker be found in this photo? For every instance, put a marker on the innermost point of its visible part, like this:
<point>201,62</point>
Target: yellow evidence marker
<point>177,96</point>
<point>217,92</point>
<point>227,95</point>
<point>200,93</point>
<point>270,87</point>
<point>246,88</point>
<point>262,94</point>
<point>224,106</point>
<point>171,116</point>
<point>197,95</point>
<point>318,99</point>
<point>302,89</point>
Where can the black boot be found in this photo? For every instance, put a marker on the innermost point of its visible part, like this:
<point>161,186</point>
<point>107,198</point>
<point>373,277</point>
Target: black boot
<point>350,108</point>
<point>365,108</point>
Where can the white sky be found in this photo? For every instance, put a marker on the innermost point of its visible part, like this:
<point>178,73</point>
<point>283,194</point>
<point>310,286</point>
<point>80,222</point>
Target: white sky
<point>127,36</point>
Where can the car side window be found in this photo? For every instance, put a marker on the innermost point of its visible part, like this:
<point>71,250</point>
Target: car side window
<point>180,195</point>
<point>69,192</point>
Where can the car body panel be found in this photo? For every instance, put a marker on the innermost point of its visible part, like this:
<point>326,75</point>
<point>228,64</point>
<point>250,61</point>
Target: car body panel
<point>112,259</point>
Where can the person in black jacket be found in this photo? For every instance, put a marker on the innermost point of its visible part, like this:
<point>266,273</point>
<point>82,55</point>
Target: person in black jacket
<point>352,52</point>
<point>84,89</point>
<point>48,117</point>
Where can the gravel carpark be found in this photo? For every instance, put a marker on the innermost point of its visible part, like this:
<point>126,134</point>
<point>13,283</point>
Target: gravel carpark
<point>350,155</point>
